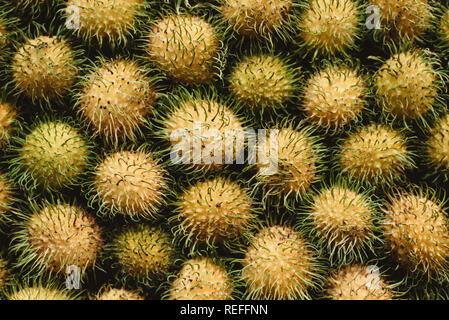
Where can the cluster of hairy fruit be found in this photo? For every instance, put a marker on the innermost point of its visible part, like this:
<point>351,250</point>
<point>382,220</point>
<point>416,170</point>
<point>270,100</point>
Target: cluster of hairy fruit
<point>98,102</point>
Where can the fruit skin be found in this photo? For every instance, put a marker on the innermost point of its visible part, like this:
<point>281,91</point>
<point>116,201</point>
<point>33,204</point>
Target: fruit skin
<point>213,212</point>
<point>54,154</point>
<point>110,22</point>
<point>330,27</point>
<point>186,47</point>
<point>436,149</point>
<point>54,235</point>
<point>416,230</point>
<point>335,96</point>
<point>279,264</point>
<point>142,252</point>
<point>264,81</point>
<point>358,282</point>
<point>116,117</point>
<point>342,217</point>
<point>374,155</point>
<point>8,123</point>
<point>131,182</point>
<point>110,293</point>
<point>39,289</point>
<point>201,279</point>
<point>408,83</point>
<point>7,199</point>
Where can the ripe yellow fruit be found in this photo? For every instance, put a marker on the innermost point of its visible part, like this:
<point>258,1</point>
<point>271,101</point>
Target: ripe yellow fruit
<point>185,47</point>
<point>330,26</point>
<point>7,119</point>
<point>406,85</point>
<point>39,293</point>
<point>279,264</point>
<point>119,294</point>
<point>213,212</point>
<point>357,282</point>
<point>44,68</point>
<point>256,17</point>
<point>116,98</point>
<point>375,154</point>
<point>201,279</point>
<point>437,146</point>
<point>131,183</point>
<point>334,97</point>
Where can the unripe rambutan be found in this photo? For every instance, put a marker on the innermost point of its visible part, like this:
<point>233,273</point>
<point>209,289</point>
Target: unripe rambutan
<point>416,229</point>
<point>110,21</point>
<point>407,84</point>
<point>279,264</point>
<point>403,19</point>
<point>258,18</point>
<point>44,68</point>
<point>115,99</point>
<point>201,279</point>
<point>263,81</point>
<point>143,252</point>
<point>329,27</point>
<point>7,119</point>
<point>437,146</point>
<point>185,47</point>
<point>55,236</point>
<point>52,156</point>
<point>334,97</point>
<point>358,282</point>
<point>375,154</point>
<point>343,220</point>
<point>131,183</point>
<point>119,294</point>
<point>213,212</point>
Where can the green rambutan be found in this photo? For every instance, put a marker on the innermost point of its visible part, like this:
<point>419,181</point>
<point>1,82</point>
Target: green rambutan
<point>279,264</point>
<point>329,27</point>
<point>416,230</point>
<point>8,118</point>
<point>334,97</point>
<point>437,146</point>
<point>53,155</point>
<point>185,47</point>
<point>264,81</point>
<point>375,155</point>
<point>358,282</point>
<point>118,294</point>
<point>57,235</point>
<point>130,183</point>
<point>115,99</point>
<point>201,279</point>
<point>213,212</point>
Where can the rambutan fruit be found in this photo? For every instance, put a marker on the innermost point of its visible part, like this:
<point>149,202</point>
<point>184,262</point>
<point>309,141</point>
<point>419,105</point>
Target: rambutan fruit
<point>4,273</point>
<point>119,294</point>
<point>105,21</point>
<point>213,212</point>
<point>330,27</point>
<point>408,83</point>
<point>53,155</point>
<point>115,99</point>
<point>343,220</point>
<point>264,81</point>
<point>416,231</point>
<point>403,20</point>
<point>143,252</point>
<point>132,183</point>
<point>44,68</point>
<point>198,126</point>
<point>8,117</point>
<point>437,147</point>
<point>375,155</point>
<point>6,198</point>
<point>39,290</point>
<point>280,265</point>
<point>442,28</point>
<point>186,48</point>
<point>201,279</point>
<point>57,235</point>
<point>358,282</point>
<point>334,97</point>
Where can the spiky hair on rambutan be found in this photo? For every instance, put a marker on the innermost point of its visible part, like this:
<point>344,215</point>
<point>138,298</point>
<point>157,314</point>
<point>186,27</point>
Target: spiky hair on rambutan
<point>105,22</point>
<point>409,85</point>
<point>131,182</point>
<point>41,288</point>
<point>9,122</point>
<point>34,9</point>
<point>51,155</point>
<point>8,26</point>
<point>8,200</point>
<point>109,293</point>
<point>436,149</point>
<point>441,28</point>
<point>374,155</point>
<point>330,27</point>
<point>55,235</point>
<point>186,46</point>
<point>335,95</point>
<point>115,98</point>
<point>416,230</point>
<point>342,217</point>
